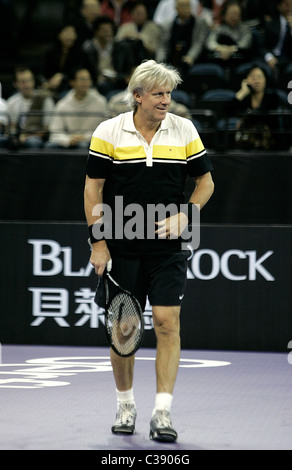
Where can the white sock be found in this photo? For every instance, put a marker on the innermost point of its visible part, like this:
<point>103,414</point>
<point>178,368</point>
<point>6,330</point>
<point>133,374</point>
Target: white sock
<point>163,401</point>
<point>127,396</point>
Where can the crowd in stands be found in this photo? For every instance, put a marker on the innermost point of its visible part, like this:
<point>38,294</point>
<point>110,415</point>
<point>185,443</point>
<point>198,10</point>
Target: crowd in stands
<point>235,57</point>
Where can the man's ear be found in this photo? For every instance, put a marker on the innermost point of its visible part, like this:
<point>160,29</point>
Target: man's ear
<point>137,97</point>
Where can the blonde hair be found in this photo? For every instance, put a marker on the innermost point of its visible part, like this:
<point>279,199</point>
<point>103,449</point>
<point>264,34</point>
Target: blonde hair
<point>149,75</point>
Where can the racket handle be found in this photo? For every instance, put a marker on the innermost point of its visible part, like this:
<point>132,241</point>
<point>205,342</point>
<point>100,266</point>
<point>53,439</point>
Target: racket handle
<point>109,266</point>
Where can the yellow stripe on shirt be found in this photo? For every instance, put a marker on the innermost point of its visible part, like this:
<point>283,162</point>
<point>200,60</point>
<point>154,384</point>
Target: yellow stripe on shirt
<point>101,146</point>
<point>136,152</point>
<point>169,152</point>
<point>195,147</point>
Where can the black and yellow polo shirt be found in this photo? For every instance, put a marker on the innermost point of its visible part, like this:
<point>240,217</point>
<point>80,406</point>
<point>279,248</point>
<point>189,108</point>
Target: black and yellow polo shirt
<point>138,173</point>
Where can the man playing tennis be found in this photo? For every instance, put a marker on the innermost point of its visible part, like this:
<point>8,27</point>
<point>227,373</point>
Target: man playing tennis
<point>144,156</point>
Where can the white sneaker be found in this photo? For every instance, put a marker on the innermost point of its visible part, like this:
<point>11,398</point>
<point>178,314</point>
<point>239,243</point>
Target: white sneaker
<point>125,419</point>
<point>161,427</point>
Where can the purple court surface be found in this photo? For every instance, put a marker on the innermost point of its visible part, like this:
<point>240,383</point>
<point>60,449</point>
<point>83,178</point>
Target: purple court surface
<point>63,398</point>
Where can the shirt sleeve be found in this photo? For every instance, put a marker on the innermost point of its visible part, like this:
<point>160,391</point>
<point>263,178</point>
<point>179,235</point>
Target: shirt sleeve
<point>100,154</point>
<point>200,166</point>
<point>198,161</point>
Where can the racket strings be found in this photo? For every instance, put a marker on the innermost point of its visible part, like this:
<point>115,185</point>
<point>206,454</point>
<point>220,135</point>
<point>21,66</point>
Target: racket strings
<point>124,326</point>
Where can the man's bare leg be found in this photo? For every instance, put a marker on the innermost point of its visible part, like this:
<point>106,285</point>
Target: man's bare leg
<point>123,370</point>
<point>167,329</point>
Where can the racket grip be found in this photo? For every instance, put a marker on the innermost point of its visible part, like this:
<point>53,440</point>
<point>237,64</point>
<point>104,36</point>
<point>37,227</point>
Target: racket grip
<point>109,266</point>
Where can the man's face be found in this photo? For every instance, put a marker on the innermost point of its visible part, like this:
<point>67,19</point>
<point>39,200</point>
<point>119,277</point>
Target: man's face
<point>183,8</point>
<point>25,83</point>
<point>154,104</point>
<point>82,82</point>
<point>104,33</point>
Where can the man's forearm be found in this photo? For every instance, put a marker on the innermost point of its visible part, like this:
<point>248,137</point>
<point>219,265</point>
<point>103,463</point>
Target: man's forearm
<point>203,190</point>
<point>93,197</point>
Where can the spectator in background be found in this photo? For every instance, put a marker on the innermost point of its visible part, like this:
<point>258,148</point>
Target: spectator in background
<point>251,105</point>
<point>182,39</point>
<point>64,55</point>
<point>166,10</point>
<point>252,94</point>
<point>98,56</point>
<point>28,130</point>
<point>140,28</point>
<point>118,10</point>
<point>77,114</point>
<point>84,24</point>
<point>277,42</point>
<point>230,42</point>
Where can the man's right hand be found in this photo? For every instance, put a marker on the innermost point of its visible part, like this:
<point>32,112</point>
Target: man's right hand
<point>100,256</point>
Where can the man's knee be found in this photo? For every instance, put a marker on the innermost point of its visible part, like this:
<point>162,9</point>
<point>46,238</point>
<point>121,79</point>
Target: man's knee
<point>166,320</point>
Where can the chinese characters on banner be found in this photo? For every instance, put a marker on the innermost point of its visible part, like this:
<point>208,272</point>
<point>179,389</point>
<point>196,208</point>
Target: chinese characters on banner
<point>54,303</point>
<point>50,259</point>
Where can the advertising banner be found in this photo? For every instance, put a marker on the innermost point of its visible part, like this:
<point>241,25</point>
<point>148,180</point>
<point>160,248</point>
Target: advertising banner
<point>238,290</point>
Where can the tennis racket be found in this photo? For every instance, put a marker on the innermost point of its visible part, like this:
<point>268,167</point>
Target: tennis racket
<point>124,322</point>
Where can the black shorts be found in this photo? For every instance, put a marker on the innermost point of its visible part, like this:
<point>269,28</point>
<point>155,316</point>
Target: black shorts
<point>162,279</point>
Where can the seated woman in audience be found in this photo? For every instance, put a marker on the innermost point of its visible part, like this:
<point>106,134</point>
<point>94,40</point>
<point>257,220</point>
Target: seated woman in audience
<point>230,42</point>
<point>61,58</point>
<point>252,105</point>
